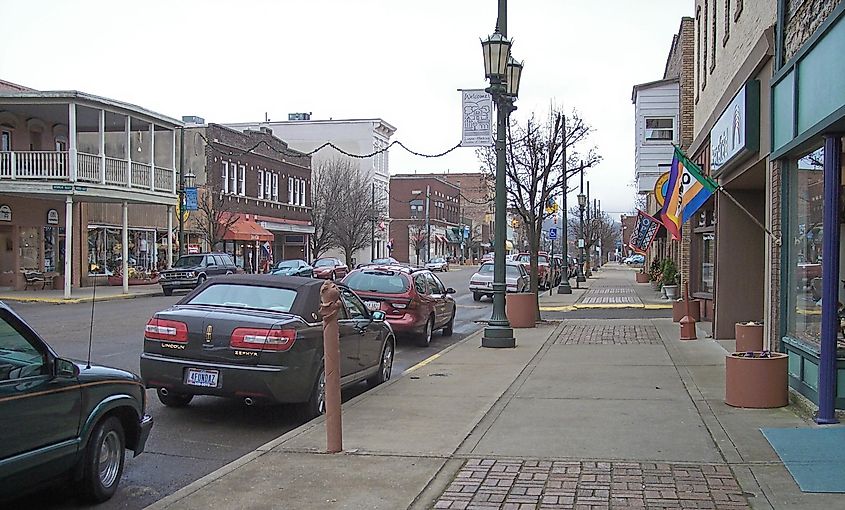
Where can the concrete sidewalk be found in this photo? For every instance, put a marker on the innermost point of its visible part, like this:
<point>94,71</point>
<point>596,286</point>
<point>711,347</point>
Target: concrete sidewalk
<point>593,414</point>
<point>80,294</point>
<point>610,287</point>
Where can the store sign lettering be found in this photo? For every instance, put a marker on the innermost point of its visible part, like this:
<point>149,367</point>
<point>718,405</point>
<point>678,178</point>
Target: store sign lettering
<point>5,213</point>
<point>737,130</point>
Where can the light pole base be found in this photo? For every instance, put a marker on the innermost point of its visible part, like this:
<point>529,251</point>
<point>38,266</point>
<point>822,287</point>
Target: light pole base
<point>580,278</point>
<point>564,287</point>
<point>498,337</point>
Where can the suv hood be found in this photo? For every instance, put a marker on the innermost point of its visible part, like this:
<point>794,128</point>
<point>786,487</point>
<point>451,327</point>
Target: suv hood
<point>100,372</point>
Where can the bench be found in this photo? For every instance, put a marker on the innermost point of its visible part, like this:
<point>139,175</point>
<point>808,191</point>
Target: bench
<point>34,279</point>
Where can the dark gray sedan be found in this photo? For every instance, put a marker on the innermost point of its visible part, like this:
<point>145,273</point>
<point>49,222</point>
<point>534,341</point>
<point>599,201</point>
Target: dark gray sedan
<point>293,267</point>
<point>259,338</point>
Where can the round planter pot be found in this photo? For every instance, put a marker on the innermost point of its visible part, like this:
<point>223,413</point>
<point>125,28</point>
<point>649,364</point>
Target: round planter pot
<point>521,309</point>
<point>756,382</point>
<point>749,337</point>
<point>671,292</point>
<point>642,278</point>
<point>679,309</point>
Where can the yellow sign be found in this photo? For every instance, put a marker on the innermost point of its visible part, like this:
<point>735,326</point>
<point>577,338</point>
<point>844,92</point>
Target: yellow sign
<point>660,189</point>
<point>180,210</point>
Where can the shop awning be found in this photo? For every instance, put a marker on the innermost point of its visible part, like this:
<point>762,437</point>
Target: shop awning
<point>453,237</point>
<point>245,230</point>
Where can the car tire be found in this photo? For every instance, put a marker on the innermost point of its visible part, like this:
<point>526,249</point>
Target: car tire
<point>385,367</point>
<point>105,454</point>
<point>316,404</point>
<point>449,328</point>
<point>174,399</point>
<point>167,292</point>
<point>424,339</point>
<point>200,279</point>
<point>334,276</point>
<point>476,296</point>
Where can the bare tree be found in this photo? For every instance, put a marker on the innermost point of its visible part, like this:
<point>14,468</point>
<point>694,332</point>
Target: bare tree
<point>354,208</point>
<point>323,199</point>
<point>540,157</point>
<point>214,215</point>
<point>416,238</point>
<point>599,229</point>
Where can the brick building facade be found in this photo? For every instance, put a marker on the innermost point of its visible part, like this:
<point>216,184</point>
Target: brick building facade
<point>408,196</point>
<point>477,191</point>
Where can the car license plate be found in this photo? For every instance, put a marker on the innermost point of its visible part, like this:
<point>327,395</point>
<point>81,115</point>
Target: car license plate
<point>205,378</point>
<point>372,305</point>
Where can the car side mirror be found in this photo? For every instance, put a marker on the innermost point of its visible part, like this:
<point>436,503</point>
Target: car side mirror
<point>450,290</point>
<point>65,368</point>
<point>378,316</point>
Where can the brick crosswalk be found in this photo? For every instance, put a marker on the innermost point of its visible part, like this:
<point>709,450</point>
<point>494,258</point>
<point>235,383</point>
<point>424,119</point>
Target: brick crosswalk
<point>572,334</point>
<point>488,484</point>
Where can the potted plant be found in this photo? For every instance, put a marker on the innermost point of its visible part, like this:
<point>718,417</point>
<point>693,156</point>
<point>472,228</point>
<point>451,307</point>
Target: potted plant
<point>670,279</point>
<point>655,274</point>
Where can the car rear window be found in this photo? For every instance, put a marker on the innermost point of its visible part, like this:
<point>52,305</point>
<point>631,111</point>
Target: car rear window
<point>513,272</point>
<point>250,297</point>
<point>524,258</point>
<point>542,259</point>
<point>383,282</point>
<point>486,269</point>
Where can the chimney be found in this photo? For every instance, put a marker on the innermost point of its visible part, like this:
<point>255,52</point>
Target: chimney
<point>266,130</point>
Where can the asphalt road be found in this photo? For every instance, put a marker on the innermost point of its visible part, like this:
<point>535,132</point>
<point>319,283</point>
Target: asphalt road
<point>189,443</point>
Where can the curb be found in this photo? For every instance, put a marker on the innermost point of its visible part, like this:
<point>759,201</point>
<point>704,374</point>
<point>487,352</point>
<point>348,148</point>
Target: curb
<point>71,301</point>
<point>608,306</point>
<point>198,484</point>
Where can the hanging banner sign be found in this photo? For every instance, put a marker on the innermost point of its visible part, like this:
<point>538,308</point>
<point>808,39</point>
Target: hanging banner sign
<point>191,202</point>
<point>5,213</point>
<point>660,188</point>
<point>477,116</point>
<point>644,232</point>
<point>52,217</point>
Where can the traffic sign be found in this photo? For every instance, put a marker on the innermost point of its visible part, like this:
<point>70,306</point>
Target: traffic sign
<point>553,233</point>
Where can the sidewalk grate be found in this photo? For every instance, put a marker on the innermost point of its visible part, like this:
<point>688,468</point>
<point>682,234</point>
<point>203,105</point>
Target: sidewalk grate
<point>609,300</point>
<point>610,290</point>
<point>546,485</point>
<point>573,334</point>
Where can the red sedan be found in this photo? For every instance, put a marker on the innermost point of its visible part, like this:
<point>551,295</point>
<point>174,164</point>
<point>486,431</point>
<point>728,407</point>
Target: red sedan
<point>330,268</point>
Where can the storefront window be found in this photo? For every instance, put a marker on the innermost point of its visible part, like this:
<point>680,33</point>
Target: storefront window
<point>704,229</point>
<point>54,249</point>
<point>806,210</point>
<point>708,259</point>
<point>29,248</point>
<point>105,249</point>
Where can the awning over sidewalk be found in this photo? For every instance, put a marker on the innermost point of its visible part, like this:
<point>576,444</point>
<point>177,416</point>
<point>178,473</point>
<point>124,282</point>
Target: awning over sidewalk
<point>245,230</point>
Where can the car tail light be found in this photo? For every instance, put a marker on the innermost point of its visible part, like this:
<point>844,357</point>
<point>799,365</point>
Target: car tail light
<point>163,329</point>
<point>263,339</point>
<point>403,305</point>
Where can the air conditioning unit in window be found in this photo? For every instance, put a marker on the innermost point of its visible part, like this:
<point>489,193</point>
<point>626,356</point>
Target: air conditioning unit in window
<point>658,134</point>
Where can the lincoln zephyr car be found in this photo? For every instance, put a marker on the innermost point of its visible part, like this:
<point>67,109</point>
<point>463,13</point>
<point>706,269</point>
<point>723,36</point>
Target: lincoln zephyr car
<point>259,338</point>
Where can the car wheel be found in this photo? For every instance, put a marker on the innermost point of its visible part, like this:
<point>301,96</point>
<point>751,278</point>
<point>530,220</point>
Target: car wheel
<point>424,339</point>
<point>450,326</point>
<point>385,366</point>
<point>200,280</point>
<point>476,296</point>
<point>334,276</point>
<point>104,456</point>
<point>316,404</point>
<point>174,399</point>
<point>167,292</point>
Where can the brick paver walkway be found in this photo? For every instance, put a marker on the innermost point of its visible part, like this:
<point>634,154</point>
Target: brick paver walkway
<point>572,334</point>
<point>545,485</point>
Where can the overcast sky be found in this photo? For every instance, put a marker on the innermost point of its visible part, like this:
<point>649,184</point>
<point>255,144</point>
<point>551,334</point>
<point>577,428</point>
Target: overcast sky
<point>399,60</point>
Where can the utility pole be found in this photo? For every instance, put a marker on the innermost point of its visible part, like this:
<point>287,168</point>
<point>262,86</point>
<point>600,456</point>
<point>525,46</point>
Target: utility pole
<point>373,226</point>
<point>427,223</point>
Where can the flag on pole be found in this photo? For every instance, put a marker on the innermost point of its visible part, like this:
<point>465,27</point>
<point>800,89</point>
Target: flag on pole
<point>645,231</point>
<point>688,189</point>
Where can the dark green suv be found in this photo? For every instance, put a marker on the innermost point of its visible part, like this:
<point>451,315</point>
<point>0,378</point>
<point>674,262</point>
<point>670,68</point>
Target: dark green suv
<point>63,419</point>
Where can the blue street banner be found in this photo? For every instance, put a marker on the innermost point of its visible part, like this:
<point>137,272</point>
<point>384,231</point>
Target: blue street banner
<point>191,203</point>
<point>645,231</point>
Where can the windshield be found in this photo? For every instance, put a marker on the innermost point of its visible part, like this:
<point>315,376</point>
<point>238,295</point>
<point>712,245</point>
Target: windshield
<point>288,263</point>
<point>542,259</point>
<point>191,261</point>
<point>383,261</point>
<point>324,263</point>
<point>246,296</point>
<point>437,260</point>
<point>511,271</point>
<point>525,258</point>
<point>383,282</point>
<point>486,269</point>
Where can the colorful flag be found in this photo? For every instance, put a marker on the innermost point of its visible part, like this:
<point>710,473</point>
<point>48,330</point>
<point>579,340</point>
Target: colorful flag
<point>688,189</point>
<point>645,231</point>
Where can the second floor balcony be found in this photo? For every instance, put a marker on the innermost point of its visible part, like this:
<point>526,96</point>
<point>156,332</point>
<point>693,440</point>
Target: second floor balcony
<point>115,149</point>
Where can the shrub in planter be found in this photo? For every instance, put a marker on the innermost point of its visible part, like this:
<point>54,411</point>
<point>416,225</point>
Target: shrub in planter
<point>670,279</point>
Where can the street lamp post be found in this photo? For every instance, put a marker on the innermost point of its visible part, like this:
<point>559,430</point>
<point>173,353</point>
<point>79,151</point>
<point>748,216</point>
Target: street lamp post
<point>565,287</point>
<point>504,74</point>
<point>582,202</point>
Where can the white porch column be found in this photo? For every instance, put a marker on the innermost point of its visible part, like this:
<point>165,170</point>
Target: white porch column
<point>169,236</point>
<point>152,156</point>
<point>68,243</point>
<point>71,139</point>
<point>173,160</point>
<point>102,132</point>
<point>127,130</point>
<point>125,248</point>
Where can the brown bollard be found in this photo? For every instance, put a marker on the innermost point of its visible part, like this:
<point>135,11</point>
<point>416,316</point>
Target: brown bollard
<point>687,322</point>
<point>329,306</point>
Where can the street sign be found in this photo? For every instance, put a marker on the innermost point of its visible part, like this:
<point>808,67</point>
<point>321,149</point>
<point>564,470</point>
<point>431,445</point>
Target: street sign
<point>580,243</point>
<point>191,199</point>
<point>466,231</point>
<point>553,233</point>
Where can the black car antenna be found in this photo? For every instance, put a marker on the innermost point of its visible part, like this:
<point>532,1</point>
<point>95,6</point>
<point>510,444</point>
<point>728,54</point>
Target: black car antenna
<point>91,328</point>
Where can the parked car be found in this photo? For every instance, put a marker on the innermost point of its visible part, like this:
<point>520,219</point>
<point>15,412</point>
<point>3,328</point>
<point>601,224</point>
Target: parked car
<point>544,274</point>
<point>191,271</point>
<point>481,283</point>
<point>259,338</point>
<point>437,264</point>
<point>63,419</point>
<point>294,267</point>
<point>634,259</point>
<point>414,300</point>
<point>330,268</point>
<point>388,261</point>
<point>487,257</point>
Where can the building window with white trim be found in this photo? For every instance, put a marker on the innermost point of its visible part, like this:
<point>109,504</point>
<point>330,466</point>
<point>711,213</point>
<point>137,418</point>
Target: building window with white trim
<point>243,181</point>
<point>275,187</point>
<point>302,192</point>
<point>5,141</point>
<point>225,176</point>
<point>660,129</point>
<point>233,178</point>
<point>290,190</point>
<point>296,191</point>
<point>261,184</point>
